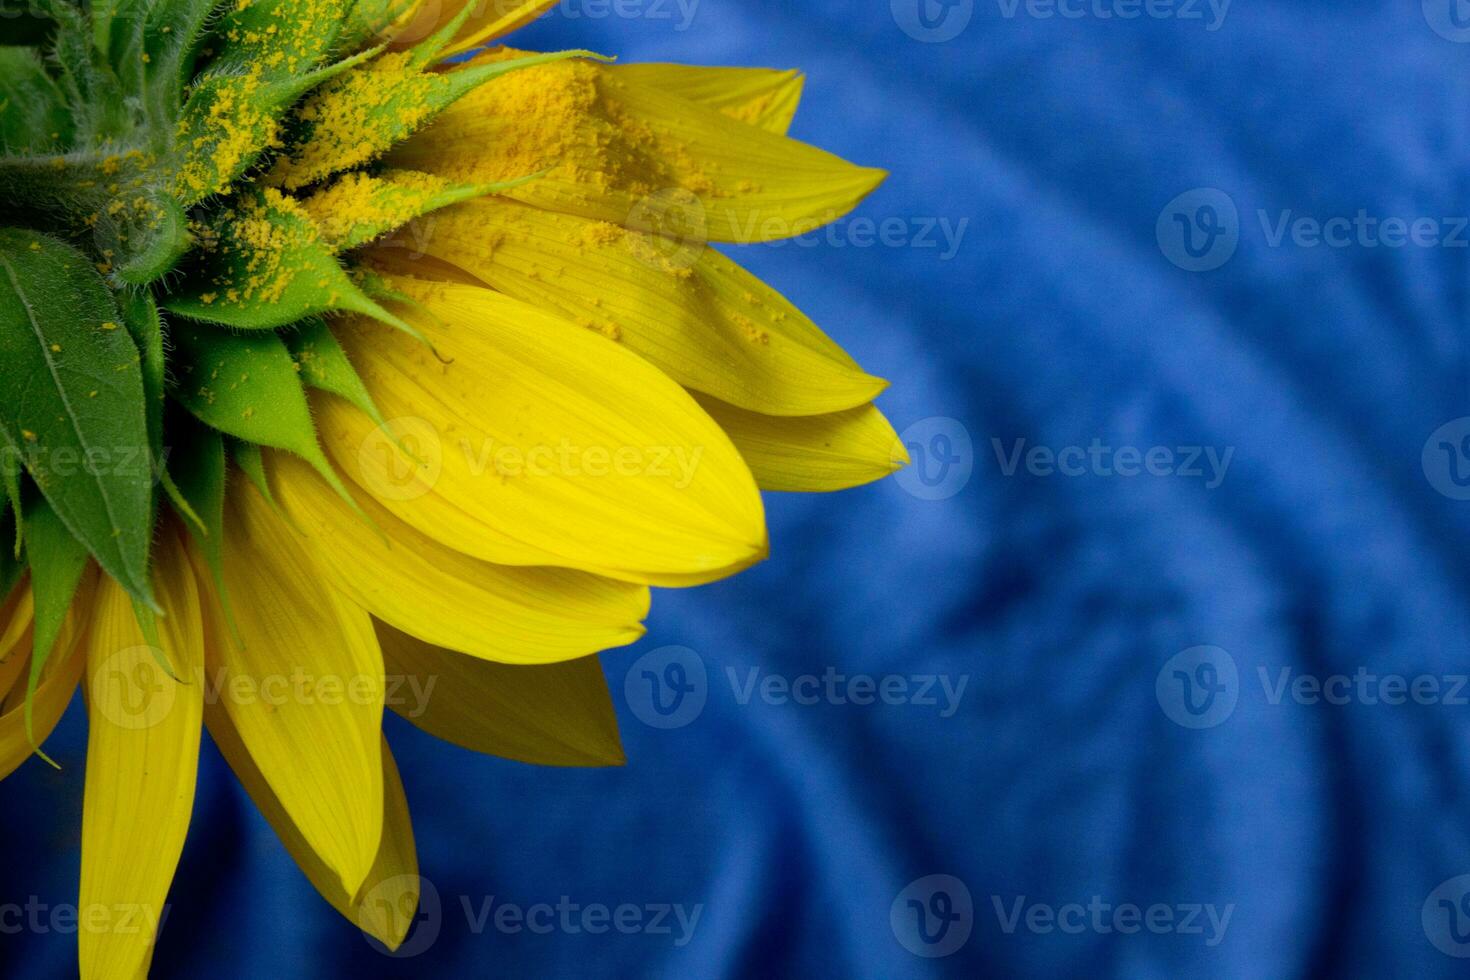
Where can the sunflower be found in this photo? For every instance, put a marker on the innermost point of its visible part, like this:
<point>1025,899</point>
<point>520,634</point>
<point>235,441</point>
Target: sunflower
<point>341,356</point>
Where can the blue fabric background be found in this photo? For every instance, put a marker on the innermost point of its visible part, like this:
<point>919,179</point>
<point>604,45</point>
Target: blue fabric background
<point>1060,320</point>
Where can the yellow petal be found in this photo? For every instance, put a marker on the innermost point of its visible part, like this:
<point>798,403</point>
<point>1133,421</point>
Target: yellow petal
<point>694,314</point>
<point>304,686</point>
<point>515,615</point>
<point>548,715</point>
<point>17,614</point>
<point>762,97</point>
<point>489,23</point>
<point>815,454</point>
<point>142,762</point>
<point>540,443</point>
<point>627,153</point>
<point>384,906</point>
<point>58,682</point>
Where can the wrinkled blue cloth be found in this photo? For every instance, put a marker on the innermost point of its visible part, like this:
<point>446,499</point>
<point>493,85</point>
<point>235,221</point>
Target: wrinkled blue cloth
<point>1137,779</point>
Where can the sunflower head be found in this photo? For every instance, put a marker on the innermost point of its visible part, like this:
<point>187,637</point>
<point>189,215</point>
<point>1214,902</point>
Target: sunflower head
<point>334,346</point>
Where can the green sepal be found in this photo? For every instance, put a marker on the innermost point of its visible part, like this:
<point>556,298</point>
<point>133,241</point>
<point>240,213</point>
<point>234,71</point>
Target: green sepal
<point>247,386</point>
<point>33,115</point>
<point>145,326</point>
<point>148,626</point>
<point>202,480</point>
<point>24,24</point>
<point>230,119</point>
<point>386,102</point>
<point>171,41</point>
<point>281,38</point>
<point>154,237</point>
<point>324,366</point>
<point>248,457</point>
<point>57,561</point>
<point>263,266</point>
<point>426,52</point>
<point>358,208</point>
<point>92,89</point>
<point>72,403</point>
<point>369,19</point>
<point>11,567</point>
<point>10,476</point>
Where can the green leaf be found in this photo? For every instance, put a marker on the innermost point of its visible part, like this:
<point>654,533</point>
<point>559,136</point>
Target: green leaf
<point>325,367</point>
<point>57,560</point>
<point>247,386</point>
<point>72,403</point>
<point>263,265</point>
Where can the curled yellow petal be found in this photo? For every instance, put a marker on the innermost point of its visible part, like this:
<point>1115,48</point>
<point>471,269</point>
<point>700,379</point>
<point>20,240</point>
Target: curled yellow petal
<point>303,685</point>
<point>689,310</point>
<point>17,614</point>
<point>489,20</point>
<point>385,904</point>
<point>615,150</point>
<point>498,612</point>
<point>535,442</point>
<point>547,715</point>
<point>53,693</point>
<point>815,454</point>
<point>142,763</point>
